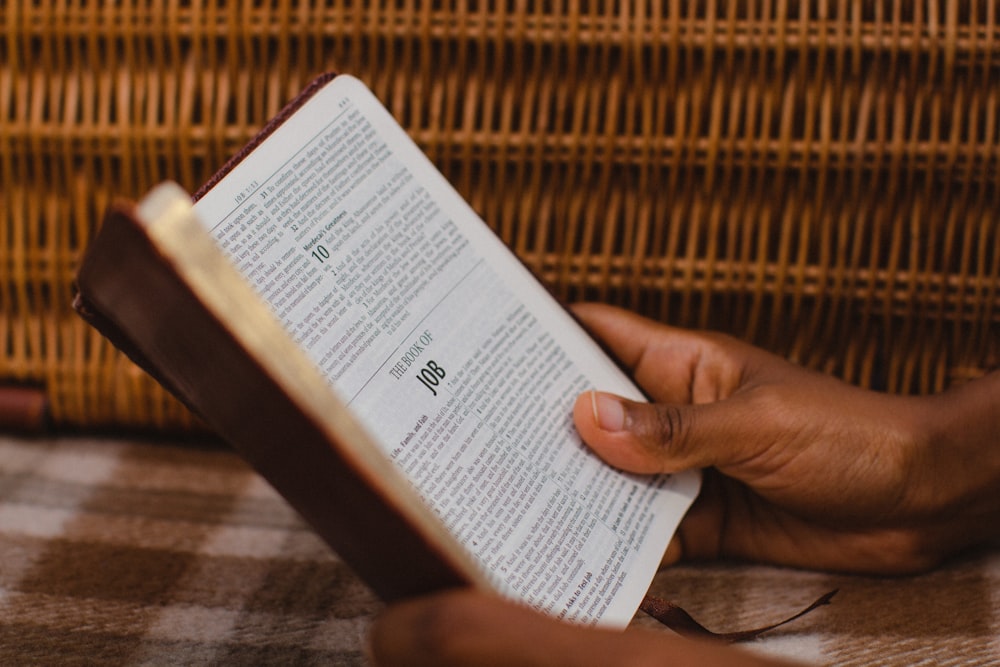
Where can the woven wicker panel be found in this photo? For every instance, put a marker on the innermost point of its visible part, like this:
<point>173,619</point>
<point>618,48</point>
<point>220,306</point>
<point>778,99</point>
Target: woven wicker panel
<point>818,177</point>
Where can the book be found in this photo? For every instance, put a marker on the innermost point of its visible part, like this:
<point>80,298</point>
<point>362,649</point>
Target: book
<point>335,310</point>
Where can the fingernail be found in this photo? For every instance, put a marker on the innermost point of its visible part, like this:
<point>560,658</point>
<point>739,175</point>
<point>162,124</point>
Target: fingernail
<point>609,413</point>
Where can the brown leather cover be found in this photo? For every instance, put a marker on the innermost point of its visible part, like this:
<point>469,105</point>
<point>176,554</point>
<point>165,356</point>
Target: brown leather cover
<point>311,89</point>
<point>134,296</point>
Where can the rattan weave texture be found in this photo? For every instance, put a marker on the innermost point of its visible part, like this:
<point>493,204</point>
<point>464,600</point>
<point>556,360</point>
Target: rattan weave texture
<point>820,177</point>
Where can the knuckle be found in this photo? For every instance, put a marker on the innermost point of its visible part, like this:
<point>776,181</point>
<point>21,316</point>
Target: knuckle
<point>669,429</point>
<point>668,423</point>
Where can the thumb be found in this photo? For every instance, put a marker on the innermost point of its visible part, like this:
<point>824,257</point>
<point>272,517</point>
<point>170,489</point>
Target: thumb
<point>653,437</point>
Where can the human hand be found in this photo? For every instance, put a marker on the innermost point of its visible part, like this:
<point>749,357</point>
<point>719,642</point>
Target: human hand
<point>474,628</point>
<point>802,469</point>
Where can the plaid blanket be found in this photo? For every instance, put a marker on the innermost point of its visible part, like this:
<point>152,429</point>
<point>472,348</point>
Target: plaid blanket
<point>137,552</point>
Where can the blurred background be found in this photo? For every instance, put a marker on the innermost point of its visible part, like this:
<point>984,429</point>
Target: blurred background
<point>818,177</point>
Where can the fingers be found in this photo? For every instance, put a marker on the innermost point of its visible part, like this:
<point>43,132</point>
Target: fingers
<point>627,335</point>
<point>465,627</point>
<point>655,438</point>
<point>672,365</point>
<point>470,628</point>
<point>674,552</point>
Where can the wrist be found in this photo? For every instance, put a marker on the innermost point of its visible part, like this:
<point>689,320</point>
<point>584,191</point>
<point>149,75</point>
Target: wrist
<point>963,438</point>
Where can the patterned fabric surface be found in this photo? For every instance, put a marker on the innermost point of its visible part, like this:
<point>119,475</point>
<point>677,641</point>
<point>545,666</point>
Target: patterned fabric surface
<point>137,552</point>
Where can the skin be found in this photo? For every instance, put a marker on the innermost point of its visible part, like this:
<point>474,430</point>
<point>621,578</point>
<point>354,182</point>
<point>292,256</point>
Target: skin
<point>801,470</point>
<point>460,628</point>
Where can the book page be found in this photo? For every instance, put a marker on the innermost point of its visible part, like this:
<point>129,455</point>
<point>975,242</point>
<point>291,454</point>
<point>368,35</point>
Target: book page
<point>452,355</point>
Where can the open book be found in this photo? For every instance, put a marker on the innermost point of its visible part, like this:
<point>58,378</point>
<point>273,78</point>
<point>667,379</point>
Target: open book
<point>336,311</point>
